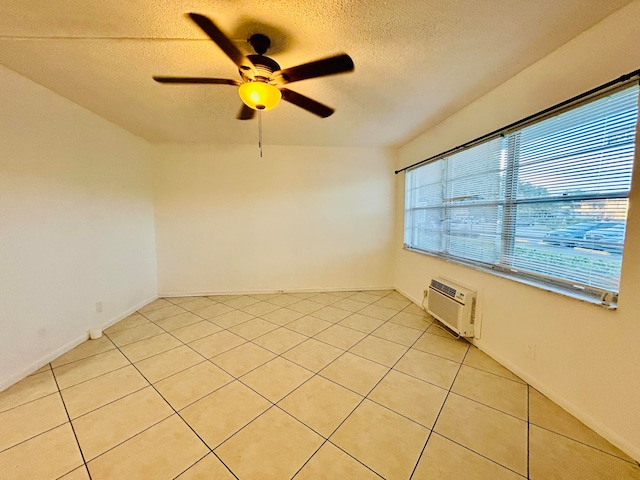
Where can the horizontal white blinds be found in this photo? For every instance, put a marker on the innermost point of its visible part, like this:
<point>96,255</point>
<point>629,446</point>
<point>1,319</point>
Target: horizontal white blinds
<point>548,200</point>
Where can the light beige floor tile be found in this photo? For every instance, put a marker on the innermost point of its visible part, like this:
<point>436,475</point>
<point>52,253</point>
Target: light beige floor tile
<point>416,310</point>
<point>28,389</point>
<point>491,433</point>
<point>303,295</point>
<point>79,473</point>
<point>331,314</point>
<point>242,359</point>
<point>273,446</point>
<point>284,300</point>
<point>365,297</point>
<point>342,293</point>
<point>86,349</point>
<point>87,396</point>
<point>443,459</point>
<point>31,419</point>
<point>280,340</point>
<point>180,300</point>
<point>47,456</point>
<point>164,312</point>
<point>553,456</point>
<point>443,347</point>
<point>242,301</point>
<point>161,452</point>
<point>134,320</point>
<point>437,328</point>
<point>219,415</point>
<point>157,304</point>
<point>478,359</point>
<point>392,303</point>
<point>167,363</point>
<point>379,350</point>
<point>192,384</point>
<point>407,319</point>
<point>209,468</point>
<point>362,323</point>
<point>321,404</point>
<point>397,333</point>
<point>381,439</point>
<point>217,343</point>
<point>355,373</point>
<point>88,368</point>
<point>223,298</point>
<point>381,313</point>
<point>42,369</point>
<point>195,331</point>
<point>420,401</point>
<point>149,347</point>
<point>214,311</point>
<point>395,295</point>
<point>197,303</point>
<point>339,336</point>
<point>131,335</point>
<point>177,321</point>
<point>546,414</point>
<point>282,316</point>
<point>253,328</point>
<point>116,422</point>
<point>350,305</point>
<point>325,298</point>
<point>309,325</point>
<point>305,306</point>
<point>497,392</point>
<point>313,354</point>
<point>331,463</point>
<point>276,378</point>
<point>231,319</point>
<point>260,309</point>
<point>427,367</point>
<point>264,296</point>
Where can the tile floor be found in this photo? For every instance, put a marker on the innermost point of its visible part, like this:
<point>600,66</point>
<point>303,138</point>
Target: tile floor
<point>336,385</point>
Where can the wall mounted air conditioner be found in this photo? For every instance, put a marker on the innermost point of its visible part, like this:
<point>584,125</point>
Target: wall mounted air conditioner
<point>453,305</point>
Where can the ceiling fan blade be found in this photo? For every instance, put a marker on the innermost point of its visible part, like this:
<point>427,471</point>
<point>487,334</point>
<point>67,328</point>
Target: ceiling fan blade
<point>221,40</point>
<point>307,103</point>
<point>328,66</point>
<point>246,113</point>
<point>205,80</point>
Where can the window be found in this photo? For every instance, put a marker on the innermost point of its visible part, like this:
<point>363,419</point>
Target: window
<point>545,202</point>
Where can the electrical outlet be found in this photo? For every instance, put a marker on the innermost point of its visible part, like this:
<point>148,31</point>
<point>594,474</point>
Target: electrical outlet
<point>531,351</point>
<point>98,307</point>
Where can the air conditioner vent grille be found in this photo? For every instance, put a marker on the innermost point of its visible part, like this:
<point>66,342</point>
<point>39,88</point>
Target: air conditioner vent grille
<point>441,287</point>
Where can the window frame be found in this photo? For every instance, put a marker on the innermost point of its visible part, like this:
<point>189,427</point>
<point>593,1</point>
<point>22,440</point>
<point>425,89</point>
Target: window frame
<point>509,202</point>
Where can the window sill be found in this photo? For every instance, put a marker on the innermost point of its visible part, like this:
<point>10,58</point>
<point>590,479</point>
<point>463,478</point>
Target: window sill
<point>565,292</point>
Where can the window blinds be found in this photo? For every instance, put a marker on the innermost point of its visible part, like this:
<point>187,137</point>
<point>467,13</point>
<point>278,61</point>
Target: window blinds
<point>548,200</point>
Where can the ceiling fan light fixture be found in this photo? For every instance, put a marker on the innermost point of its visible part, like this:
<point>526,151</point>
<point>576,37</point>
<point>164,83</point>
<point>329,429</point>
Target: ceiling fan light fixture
<point>259,95</point>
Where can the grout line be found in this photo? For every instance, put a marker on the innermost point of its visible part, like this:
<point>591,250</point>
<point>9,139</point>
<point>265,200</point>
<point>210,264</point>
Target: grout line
<point>479,454</point>
<point>435,422</point>
<point>84,460</point>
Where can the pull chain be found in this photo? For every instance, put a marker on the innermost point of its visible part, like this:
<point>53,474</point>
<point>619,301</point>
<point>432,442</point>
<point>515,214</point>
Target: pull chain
<point>260,132</point>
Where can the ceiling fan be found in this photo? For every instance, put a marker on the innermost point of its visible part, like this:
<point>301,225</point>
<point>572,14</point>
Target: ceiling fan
<point>262,79</point>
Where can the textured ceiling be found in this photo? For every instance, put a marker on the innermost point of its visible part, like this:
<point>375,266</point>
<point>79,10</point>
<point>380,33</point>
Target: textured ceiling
<point>417,61</point>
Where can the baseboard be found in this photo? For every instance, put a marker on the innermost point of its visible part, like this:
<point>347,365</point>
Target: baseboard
<point>261,292</point>
<point>49,357</point>
<point>605,432</point>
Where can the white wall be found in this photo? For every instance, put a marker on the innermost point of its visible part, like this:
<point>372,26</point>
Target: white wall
<point>76,224</point>
<point>298,218</point>
<point>588,359</point>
